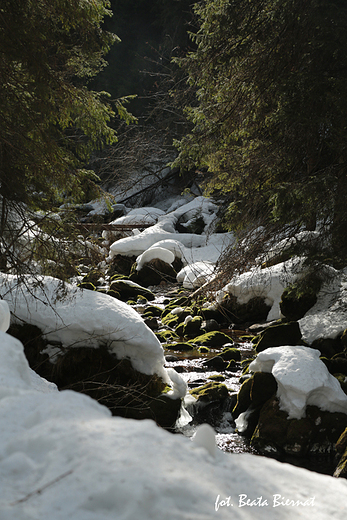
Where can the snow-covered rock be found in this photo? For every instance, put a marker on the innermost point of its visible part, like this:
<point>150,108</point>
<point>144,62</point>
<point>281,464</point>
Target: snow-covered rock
<point>77,317</point>
<point>302,380</point>
<point>154,253</point>
<point>268,283</point>
<point>63,456</point>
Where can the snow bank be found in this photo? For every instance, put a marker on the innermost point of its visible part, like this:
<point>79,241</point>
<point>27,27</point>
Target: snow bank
<point>302,380</point>
<point>327,318</point>
<point>195,274</point>
<point>62,456</point>
<point>268,283</point>
<point>77,317</point>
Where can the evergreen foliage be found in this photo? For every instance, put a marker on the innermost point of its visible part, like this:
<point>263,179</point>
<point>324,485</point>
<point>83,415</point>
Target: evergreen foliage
<point>270,118</point>
<point>50,121</point>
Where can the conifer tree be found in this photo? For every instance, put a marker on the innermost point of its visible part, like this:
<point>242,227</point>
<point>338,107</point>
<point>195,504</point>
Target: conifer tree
<point>271,111</point>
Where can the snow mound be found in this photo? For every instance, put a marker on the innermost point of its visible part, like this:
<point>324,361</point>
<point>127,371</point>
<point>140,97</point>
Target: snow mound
<point>62,456</point>
<point>327,318</point>
<point>76,317</point>
<point>302,380</point>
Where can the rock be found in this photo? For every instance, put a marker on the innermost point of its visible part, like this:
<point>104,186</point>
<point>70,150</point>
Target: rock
<point>255,391</point>
<point>153,273</point>
<point>254,310</point>
<point>212,339</point>
<point>203,350</point>
<point>181,347</point>
<point>129,290</point>
<point>215,363</point>
<point>152,311</point>
<point>152,323</point>
<point>122,265</point>
<point>210,325</point>
<point>314,434</point>
<point>279,335</point>
<point>337,365</point>
<point>294,305</point>
<point>87,285</point>
<point>231,354</point>
<point>212,391</point>
<point>192,327</point>
<point>166,336</point>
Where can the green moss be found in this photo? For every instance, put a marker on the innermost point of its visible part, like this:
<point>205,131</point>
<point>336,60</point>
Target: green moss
<point>166,335</point>
<point>212,339</point>
<point>152,310</point>
<point>212,391</point>
<point>217,377</point>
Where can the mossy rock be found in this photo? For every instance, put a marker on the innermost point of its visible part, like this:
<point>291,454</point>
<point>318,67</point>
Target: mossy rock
<point>294,307</point>
<point>141,299</point>
<point>152,310</point>
<point>180,330</point>
<point>121,265</point>
<point>328,347</point>
<point>341,468</point>
<point>176,302</point>
<point>231,354</point>
<point>299,297</point>
<point>172,320</point>
<point>316,433</point>
<point>217,377</point>
<point>166,336</point>
<point>336,366</point>
<point>278,335</point>
<point>203,350</point>
<point>212,391</point>
<point>243,398</point>
<point>342,379</point>
<point>193,327</point>
<point>212,339</point>
<point>255,391</point>
<point>114,294</point>
<point>130,291</point>
<point>179,346</point>
<point>93,276</point>
<point>87,285</point>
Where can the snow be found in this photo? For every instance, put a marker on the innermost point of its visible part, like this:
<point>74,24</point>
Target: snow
<point>268,283</point>
<point>201,250</point>
<point>145,215</point>
<point>154,253</point>
<point>195,274</point>
<point>327,318</point>
<point>302,378</point>
<point>4,316</point>
<point>77,317</point>
<point>62,456</point>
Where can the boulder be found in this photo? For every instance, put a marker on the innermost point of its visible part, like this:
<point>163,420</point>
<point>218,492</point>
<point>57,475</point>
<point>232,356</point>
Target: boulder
<point>279,335</point>
<point>212,339</point>
<point>314,434</point>
<point>153,273</point>
<point>129,290</point>
<point>256,309</point>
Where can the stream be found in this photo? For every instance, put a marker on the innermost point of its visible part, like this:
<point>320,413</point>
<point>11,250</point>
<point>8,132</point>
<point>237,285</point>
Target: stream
<point>190,366</point>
